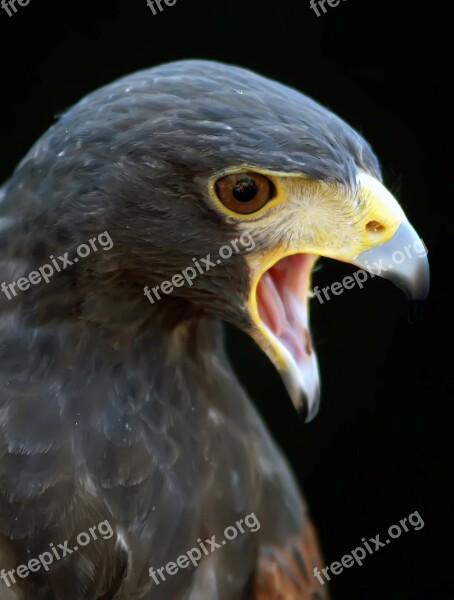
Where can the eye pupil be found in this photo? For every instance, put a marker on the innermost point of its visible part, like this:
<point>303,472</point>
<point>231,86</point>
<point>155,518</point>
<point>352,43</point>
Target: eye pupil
<point>245,189</point>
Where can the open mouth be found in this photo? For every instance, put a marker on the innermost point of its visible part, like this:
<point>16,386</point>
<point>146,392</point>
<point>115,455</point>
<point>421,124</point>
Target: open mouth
<point>282,295</point>
<point>282,301</point>
<point>319,223</point>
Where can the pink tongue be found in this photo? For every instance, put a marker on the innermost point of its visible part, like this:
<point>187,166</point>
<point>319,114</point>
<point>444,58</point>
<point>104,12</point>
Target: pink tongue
<point>279,307</point>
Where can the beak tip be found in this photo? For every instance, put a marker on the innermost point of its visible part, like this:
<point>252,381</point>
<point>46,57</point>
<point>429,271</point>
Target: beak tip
<point>303,412</point>
<point>308,408</point>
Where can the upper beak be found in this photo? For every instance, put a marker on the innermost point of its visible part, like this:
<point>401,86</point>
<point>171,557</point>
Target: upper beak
<point>378,238</point>
<point>400,261</point>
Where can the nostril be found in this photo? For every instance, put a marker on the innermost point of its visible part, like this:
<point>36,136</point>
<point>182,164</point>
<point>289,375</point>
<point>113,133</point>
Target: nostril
<point>375,227</point>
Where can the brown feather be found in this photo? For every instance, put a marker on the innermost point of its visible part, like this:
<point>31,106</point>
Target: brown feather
<point>286,573</point>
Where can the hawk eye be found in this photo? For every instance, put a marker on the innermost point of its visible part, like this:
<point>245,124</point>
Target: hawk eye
<point>245,193</point>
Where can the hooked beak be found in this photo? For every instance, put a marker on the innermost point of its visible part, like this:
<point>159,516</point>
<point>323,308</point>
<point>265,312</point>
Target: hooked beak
<point>380,240</point>
<point>411,272</point>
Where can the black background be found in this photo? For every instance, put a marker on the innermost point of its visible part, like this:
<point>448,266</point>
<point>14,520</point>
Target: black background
<point>380,448</point>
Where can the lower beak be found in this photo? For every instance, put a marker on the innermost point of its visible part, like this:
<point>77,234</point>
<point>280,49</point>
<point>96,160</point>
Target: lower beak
<point>382,242</point>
